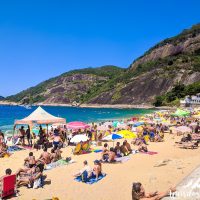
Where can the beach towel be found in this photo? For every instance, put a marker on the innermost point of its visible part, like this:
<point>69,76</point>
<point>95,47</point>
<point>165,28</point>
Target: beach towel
<point>150,153</point>
<point>122,159</point>
<point>97,151</point>
<point>14,148</point>
<point>58,164</point>
<point>91,180</point>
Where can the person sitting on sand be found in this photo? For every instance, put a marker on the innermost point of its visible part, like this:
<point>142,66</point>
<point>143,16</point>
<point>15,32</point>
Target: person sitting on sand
<point>138,193</point>
<point>124,149</point>
<point>105,152</point>
<point>54,157</point>
<point>30,160</point>
<point>117,150</point>
<point>1,137</point>
<point>58,153</point>
<point>8,172</point>
<point>45,157</point>
<point>128,146</point>
<point>142,147</point>
<point>112,155</point>
<point>86,169</point>
<point>97,170</point>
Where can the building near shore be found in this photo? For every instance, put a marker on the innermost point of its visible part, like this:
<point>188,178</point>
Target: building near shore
<point>191,101</point>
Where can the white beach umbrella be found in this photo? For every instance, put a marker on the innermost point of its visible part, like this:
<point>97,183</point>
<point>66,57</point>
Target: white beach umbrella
<point>79,138</point>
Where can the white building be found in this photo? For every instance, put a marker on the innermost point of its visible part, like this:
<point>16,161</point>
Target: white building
<point>193,100</point>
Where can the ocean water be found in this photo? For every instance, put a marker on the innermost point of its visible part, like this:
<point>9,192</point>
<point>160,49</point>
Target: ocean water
<point>8,114</point>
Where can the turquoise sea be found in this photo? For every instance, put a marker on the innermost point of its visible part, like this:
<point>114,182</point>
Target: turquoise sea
<point>8,114</point>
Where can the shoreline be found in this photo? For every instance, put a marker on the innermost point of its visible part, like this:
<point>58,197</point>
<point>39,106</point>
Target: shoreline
<point>117,106</point>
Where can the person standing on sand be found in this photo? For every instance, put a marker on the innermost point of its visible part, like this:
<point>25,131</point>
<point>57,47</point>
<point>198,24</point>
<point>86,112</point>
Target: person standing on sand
<point>22,134</point>
<point>28,135</point>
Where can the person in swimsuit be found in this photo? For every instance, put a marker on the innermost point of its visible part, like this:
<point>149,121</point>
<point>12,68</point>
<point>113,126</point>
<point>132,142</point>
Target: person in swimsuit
<point>97,170</point>
<point>112,155</point>
<point>105,152</point>
<point>22,134</point>
<point>124,149</point>
<point>30,160</point>
<point>138,193</point>
<point>117,150</point>
<point>45,157</point>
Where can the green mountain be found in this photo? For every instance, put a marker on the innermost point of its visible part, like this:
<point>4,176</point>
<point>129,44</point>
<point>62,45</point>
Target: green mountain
<point>173,61</point>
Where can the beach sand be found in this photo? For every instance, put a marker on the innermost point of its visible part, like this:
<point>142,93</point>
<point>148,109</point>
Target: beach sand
<point>118,182</point>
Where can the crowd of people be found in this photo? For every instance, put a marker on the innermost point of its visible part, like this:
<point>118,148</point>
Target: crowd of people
<point>152,128</point>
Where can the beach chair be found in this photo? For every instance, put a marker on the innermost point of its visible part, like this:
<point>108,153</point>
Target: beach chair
<point>8,186</point>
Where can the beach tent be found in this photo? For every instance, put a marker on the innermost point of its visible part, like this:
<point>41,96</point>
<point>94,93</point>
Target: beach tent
<point>40,116</point>
<point>181,113</point>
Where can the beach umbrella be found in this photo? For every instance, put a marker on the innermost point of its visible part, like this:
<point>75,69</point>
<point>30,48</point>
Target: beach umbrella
<point>138,124</point>
<point>184,129</point>
<point>112,136</point>
<point>102,128</point>
<point>181,113</point>
<point>77,125</point>
<point>131,122</point>
<point>127,134</point>
<point>79,138</point>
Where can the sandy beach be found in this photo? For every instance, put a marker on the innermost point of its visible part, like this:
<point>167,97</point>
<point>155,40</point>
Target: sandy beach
<point>117,184</point>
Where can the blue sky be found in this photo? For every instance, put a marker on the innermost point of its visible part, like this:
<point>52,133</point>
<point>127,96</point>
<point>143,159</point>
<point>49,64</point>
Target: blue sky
<point>42,39</point>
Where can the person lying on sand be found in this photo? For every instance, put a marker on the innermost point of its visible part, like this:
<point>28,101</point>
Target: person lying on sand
<point>45,157</point>
<point>142,147</point>
<point>29,180</point>
<point>86,168</point>
<point>30,160</point>
<point>138,193</point>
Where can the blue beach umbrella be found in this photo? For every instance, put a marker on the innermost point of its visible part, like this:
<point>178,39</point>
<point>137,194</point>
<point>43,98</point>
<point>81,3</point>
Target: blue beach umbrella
<point>112,136</point>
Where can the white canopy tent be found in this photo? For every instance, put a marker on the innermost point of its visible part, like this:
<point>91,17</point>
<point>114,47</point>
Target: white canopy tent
<point>40,116</point>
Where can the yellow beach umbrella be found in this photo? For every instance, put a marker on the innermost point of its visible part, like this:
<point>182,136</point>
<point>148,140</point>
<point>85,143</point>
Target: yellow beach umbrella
<point>127,134</point>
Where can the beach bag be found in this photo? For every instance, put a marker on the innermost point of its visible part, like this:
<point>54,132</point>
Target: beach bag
<point>84,176</point>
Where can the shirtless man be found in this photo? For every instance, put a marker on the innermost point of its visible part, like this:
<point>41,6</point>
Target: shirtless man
<point>30,160</point>
<point>128,146</point>
<point>97,170</point>
<point>112,155</point>
<point>45,157</point>
<point>53,156</point>
<point>124,149</point>
<point>105,152</point>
